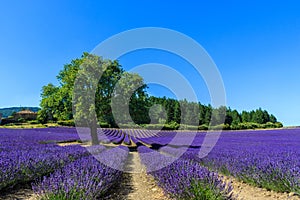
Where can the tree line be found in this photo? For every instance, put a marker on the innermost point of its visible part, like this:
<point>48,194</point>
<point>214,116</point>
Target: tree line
<point>127,93</point>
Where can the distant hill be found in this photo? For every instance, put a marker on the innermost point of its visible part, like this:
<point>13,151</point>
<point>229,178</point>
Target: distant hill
<point>8,111</point>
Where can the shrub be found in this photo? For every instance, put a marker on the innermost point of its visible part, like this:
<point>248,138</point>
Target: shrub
<point>66,123</point>
<point>278,125</point>
<point>104,125</point>
<point>188,127</point>
<point>154,126</point>
<point>217,127</point>
<point>126,126</point>
<point>33,122</point>
<point>203,127</point>
<point>21,120</point>
<point>226,127</point>
<point>171,126</point>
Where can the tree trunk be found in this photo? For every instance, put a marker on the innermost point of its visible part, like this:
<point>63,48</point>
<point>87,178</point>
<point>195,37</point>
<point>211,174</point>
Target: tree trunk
<point>95,140</point>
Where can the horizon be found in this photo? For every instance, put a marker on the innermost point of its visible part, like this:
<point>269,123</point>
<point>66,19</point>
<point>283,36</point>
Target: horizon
<point>254,45</point>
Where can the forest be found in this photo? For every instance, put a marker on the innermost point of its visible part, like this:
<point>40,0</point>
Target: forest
<point>116,85</point>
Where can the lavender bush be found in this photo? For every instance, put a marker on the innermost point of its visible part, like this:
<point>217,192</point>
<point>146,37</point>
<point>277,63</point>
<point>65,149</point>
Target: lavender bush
<point>267,158</point>
<point>185,179</point>
<point>85,178</point>
<point>24,155</point>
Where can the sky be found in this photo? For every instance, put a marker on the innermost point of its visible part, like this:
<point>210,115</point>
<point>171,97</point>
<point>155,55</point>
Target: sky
<point>255,45</point>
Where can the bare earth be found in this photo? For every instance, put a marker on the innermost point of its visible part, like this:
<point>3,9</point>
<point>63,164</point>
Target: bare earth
<point>136,184</point>
<point>19,193</point>
<point>248,192</point>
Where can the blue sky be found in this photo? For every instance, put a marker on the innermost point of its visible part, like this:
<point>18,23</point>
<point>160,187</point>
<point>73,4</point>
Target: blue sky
<point>255,45</point>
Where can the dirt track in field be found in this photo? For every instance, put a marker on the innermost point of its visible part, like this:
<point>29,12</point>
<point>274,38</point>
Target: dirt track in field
<point>19,193</point>
<point>136,184</point>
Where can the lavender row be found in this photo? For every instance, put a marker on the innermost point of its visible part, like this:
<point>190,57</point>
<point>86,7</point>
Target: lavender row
<point>86,178</point>
<point>268,159</point>
<point>23,166</point>
<point>27,154</point>
<point>184,179</point>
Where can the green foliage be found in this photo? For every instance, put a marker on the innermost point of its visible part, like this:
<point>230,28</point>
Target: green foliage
<point>272,119</point>
<point>104,125</point>
<point>188,127</point>
<point>203,190</point>
<point>129,99</point>
<point>42,117</point>
<point>66,123</point>
<point>127,92</point>
<point>278,124</point>
<point>245,125</point>
<point>33,122</point>
<point>203,127</point>
<point>171,126</point>
<point>21,120</point>
<point>56,103</point>
<point>157,127</point>
<point>50,104</point>
<point>8,121</point>
<point>61,195</point>
<point>253,125</point>
<point>217,127</point>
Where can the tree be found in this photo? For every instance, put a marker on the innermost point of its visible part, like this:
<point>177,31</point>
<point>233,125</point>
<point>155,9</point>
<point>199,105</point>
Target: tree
<point>208,115</point>
<point>236,118</point>
<point>265,116</point>
<point>91,96</point>
<point>218,115</point>
<point>228,117</point>
<point>84,93</point>
<point>48,103</point>
<point>177,112</point>
<point>202,114</point>
<point>273,119</point>
<point>105,91</point>
<point>129,99</point>
<point>56,103</point>
<point>66,78</point>
<point>246,117</point>
<point>192,114</point>
<point>258,116</point>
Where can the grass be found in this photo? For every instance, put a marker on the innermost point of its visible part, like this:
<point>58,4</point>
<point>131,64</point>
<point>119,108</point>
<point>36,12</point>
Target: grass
<point>203,191</point>
<point>28,125</point>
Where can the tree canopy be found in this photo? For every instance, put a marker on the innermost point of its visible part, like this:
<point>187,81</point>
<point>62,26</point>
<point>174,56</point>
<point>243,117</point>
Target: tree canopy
<point>99,91</point>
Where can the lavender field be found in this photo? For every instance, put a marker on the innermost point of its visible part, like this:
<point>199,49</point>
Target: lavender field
<point>262,158</point>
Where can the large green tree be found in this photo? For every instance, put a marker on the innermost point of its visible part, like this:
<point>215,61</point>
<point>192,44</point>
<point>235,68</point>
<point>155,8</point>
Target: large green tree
<point>101,86</point>
<point>56,103</point>
<point>87,87</point>
<point>129,100</point>
<point>84,93</point>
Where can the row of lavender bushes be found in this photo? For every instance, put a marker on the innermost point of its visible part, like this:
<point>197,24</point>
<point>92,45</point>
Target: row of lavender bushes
<point>23,157</point>
<point>85,178</point>
<point>268,159</point>
<point>184,179</point>
<point>274,170</point>
<point>57,172</point>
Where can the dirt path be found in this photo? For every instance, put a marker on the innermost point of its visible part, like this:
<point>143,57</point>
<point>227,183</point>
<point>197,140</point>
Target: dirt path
<point>19,193</point>
<point>136,184</point>
<point>248,192</point>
